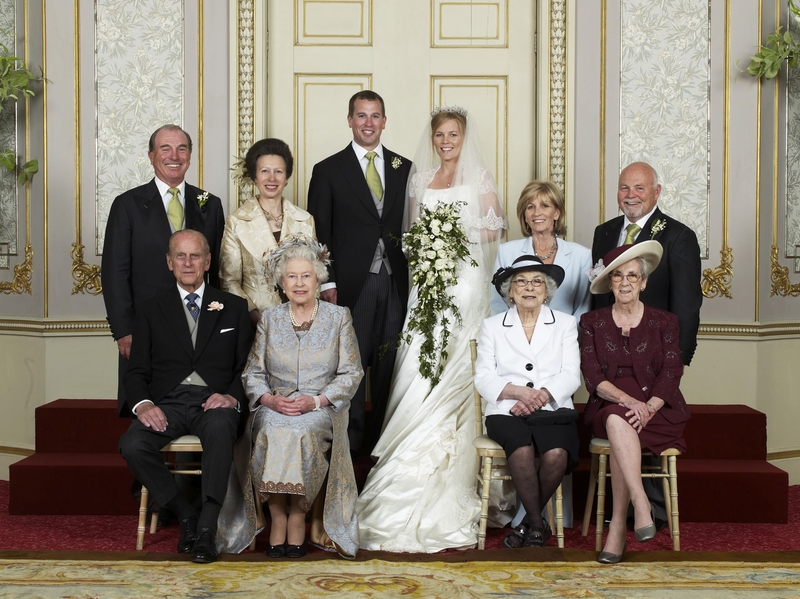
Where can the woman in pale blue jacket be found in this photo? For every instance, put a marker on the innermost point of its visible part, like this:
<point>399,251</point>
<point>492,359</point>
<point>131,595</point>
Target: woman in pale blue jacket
<point>541,214</point>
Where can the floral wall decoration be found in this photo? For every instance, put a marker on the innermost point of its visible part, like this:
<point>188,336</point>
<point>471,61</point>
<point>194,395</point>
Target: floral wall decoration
<point>664,102</point>
<point>139,81</point>
<point>792,220</point>
<point>8,139</point>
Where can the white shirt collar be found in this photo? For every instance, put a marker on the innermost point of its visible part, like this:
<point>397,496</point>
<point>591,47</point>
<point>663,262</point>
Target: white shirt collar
<point>163,189</point>
<point>361,152</point>
<point>198,291</point>
<point>642,222</point>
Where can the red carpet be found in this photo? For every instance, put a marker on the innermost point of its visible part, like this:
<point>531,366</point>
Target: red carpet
<point>118,533</point>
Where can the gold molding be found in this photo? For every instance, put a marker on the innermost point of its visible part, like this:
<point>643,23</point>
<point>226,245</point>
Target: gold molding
<point>717,282</point>
<point>23,274</point>
<point>47,326</point>
<point>603,48</point>
<point>86,277</point>
<point>759,331</point>
<point>21,451</point>
<point>245,84</point>
<point>758,179</point>
<point>783,455</point>
<point>558,93</point>
<point>200,91</point>
<point>45,183</point>
<point>779,275</point>
<point>498,3</point>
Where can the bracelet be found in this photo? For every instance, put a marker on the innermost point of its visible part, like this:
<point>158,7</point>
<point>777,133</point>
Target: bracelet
<point>316,403</point>
<point>651,408</point>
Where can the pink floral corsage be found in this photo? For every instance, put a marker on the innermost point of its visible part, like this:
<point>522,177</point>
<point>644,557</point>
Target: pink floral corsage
<point>215,307</point>
<point>596,270</point>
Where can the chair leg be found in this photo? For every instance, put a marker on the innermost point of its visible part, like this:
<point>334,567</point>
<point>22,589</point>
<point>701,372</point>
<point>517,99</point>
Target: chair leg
<point>665,489</point>
<point>142,520</point>
<point>153,522</point>
<point>673,516</point>
<point>560,517</point>
<point>601,500</point>
<point>587,512</point>
<point>486,479</point>
<point>550,511</point>
<point>253,544</point>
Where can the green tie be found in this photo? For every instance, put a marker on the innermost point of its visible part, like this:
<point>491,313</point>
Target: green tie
<point>632,229</point>
<point>373,178</point>
<point>175,210</point>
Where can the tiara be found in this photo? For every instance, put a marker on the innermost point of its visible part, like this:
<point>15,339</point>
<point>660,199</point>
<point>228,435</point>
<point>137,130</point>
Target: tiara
<point>455,109</point>
<point>295,241</point>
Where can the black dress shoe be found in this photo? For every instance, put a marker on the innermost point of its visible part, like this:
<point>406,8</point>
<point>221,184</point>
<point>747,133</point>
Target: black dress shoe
<point>205,549</point>
<point>188,535</point>
<point>164,516</point>
<point>296,550</point>
<point>276,550</point>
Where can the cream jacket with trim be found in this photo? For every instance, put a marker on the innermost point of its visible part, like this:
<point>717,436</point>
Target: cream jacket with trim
<point>248,239</point>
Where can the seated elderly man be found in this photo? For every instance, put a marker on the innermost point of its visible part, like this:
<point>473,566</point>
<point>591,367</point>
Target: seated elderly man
<point>190,345</point>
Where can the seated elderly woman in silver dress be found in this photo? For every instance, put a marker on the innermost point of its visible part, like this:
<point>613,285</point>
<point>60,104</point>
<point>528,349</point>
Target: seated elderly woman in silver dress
<point>302,371</point>
<point>528,367</point>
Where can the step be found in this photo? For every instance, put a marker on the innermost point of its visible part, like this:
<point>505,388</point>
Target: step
<point>714,432</point>
<point>715,491</point>
<point>71,483</point>
<point>79,426</point>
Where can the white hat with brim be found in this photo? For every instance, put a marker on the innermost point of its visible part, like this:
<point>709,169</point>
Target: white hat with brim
<point>650,251</point>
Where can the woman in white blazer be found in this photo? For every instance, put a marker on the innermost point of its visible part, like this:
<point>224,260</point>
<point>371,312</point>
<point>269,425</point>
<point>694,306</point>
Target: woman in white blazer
<point>541,214</point>
<point>527,370</point>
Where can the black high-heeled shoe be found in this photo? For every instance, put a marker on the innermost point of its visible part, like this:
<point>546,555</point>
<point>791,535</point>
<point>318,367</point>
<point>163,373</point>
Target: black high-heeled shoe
<point>296,550</point>
<point>276,550</point>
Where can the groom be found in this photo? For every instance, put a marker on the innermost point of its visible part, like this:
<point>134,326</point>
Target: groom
<point>357,198</point>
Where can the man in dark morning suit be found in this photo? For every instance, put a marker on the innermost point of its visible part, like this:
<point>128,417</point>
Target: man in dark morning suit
<point>139,226</point>
<point>674,285</point>
<point>190,345</point>
<point>357,198</point>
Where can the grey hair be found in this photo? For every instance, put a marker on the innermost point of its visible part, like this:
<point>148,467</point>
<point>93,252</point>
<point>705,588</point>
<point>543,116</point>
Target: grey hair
<point>298,252</point>
<point>644,268</point>
<point>549,284</point>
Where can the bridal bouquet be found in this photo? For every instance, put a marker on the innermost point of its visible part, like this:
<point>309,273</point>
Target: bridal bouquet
<point>435,244</point>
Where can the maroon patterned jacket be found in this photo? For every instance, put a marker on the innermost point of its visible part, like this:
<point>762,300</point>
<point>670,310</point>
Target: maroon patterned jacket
<point>657,364</point>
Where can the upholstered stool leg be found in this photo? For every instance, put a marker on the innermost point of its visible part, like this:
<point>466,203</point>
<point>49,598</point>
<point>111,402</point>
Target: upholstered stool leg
<point>673,514</point>
<point>601,500</point>
<point>142,520</point>
<point>486,479</point>
<point>587,512</point>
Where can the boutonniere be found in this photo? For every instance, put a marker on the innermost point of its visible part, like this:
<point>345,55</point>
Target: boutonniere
<point>202,200</point>
<point>215,306</point>
<point>657,227</point>
<point>396,162</point>
<point>595,270</point>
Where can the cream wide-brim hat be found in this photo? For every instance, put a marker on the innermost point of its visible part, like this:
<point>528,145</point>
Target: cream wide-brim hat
<point>650,251</point>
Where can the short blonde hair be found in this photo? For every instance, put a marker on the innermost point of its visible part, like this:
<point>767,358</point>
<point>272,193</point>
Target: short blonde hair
<point>551,190</point>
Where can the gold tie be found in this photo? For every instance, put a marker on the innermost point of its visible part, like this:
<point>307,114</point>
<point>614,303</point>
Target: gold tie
<point>632,229</point>
<point>175,210</point>
<point>373,178</point>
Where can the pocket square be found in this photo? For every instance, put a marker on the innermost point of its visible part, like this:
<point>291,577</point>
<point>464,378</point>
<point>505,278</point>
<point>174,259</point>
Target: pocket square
<point>225,330</point>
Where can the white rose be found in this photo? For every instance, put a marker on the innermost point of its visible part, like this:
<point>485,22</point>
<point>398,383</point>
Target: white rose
<point>436,231</point>
<point>436,223</point>
<point>440,264</point>
<point>425,266</point>
<point>424,240</point>
<point>447,227</point>
<point>438,245</point>
<point>430,254</point>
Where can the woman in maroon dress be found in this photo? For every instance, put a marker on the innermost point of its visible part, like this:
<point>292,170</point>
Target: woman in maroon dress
<point>632,366</point>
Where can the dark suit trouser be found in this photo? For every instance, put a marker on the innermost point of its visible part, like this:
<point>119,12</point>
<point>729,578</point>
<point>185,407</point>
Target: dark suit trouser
<point>217,430</point>
<point>378,320</point>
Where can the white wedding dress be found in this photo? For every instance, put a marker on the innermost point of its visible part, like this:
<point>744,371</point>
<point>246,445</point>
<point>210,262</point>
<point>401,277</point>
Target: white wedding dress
<point>421,495</point>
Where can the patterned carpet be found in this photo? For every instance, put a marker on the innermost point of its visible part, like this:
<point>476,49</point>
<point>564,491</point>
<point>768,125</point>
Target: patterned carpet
<point>74,579</point>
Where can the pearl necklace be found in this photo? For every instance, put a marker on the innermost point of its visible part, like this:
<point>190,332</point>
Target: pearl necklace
<point>306,325</point>
<point>550,253</point>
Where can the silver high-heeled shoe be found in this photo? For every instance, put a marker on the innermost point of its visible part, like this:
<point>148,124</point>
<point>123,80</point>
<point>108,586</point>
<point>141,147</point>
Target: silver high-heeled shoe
<point>606,557</point>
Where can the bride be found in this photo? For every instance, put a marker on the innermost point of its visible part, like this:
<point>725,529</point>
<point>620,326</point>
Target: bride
<point>421,494</point>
